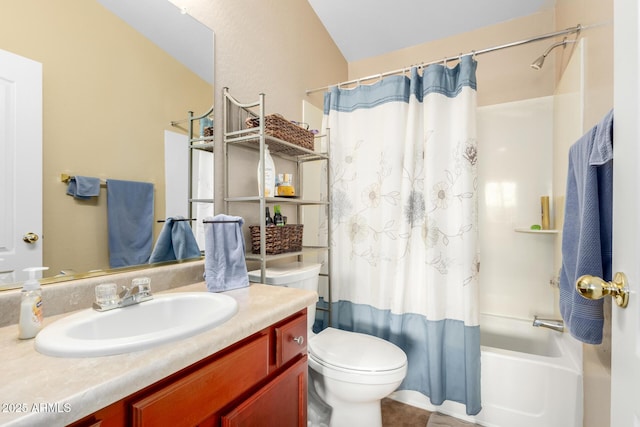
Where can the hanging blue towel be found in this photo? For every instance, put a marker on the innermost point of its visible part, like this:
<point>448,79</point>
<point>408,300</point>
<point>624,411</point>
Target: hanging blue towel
<point>587,231</point>
<point>224,264</point>
<point>130,220</point>
<point>83,187</point>
<point>176,241</point>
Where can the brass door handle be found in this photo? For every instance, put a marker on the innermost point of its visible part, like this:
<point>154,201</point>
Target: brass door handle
<point>30,238</point>
<point>592,287</point>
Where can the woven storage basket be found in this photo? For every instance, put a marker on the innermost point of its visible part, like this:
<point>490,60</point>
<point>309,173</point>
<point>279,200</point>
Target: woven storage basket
<point>279,127</point>
<point>278,239</point>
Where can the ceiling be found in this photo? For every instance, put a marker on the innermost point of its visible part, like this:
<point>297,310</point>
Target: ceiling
<point>177,33</point>
<point>366,28</point>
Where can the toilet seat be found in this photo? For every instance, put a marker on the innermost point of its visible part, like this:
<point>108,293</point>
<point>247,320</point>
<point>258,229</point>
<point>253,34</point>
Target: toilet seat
<point>354,351</point>
<point>356,357</point>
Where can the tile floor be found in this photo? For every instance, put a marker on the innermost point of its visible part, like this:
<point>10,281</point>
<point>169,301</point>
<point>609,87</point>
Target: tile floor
<point>396,414</point>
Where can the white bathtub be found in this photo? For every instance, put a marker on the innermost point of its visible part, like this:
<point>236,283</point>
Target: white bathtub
<point>531,377</point>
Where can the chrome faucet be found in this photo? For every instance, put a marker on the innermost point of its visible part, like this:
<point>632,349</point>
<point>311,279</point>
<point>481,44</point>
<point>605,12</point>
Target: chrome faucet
<point>555,324</point>
<point>138,292</point>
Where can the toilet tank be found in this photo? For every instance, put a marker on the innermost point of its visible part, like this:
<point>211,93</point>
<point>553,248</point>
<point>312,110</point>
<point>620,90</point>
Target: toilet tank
<point>301,275</point>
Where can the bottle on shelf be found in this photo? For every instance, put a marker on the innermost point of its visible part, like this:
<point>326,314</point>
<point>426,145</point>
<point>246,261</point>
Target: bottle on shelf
<point>277,216</point>
<point>268,220</point>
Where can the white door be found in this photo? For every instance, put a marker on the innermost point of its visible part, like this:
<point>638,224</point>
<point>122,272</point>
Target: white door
<point>625,357</point>
<point>20,166</point>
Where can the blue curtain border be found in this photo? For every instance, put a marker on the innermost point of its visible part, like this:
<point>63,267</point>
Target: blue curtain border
<point>435,78</point>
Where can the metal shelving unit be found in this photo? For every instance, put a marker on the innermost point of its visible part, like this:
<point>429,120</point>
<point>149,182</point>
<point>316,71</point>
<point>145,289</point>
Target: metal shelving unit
<point>204,143</point>
<point>237,135</point>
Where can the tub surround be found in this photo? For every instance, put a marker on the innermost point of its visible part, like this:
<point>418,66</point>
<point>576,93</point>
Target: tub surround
<point>67,389</point>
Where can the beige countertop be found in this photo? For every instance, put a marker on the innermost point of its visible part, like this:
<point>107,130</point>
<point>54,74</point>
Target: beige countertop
<point>39,390</point>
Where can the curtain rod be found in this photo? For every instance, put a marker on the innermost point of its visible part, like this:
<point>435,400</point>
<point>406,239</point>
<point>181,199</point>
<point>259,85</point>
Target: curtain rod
<point>570,30</point>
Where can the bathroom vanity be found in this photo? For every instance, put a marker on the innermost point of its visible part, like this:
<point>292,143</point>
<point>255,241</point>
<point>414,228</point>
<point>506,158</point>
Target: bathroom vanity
<point>251,370</point>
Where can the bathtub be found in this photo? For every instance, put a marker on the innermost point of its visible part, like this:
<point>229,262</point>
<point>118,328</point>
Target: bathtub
<point>531,377</point>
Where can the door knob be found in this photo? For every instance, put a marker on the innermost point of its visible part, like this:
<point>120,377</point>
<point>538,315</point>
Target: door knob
<point>592,287</point>
<point>30,238</point>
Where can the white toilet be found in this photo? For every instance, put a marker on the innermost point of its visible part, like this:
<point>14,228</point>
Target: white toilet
<point>352,372</point>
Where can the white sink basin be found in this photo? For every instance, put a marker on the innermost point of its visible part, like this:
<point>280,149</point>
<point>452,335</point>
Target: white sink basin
<point>165,318</point>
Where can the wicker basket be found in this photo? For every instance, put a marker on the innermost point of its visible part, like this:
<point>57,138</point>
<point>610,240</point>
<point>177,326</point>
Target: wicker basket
<point>279,127</point>
<point>278,239</point>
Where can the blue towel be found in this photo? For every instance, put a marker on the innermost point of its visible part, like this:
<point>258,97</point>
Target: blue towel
<point>130,220</point>
<point>83,187</point>
<point>176,241</point>
<point>224,263</point>
<point>587,232</point>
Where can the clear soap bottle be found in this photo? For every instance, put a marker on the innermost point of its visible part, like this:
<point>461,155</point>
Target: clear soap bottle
<point>31,313</point>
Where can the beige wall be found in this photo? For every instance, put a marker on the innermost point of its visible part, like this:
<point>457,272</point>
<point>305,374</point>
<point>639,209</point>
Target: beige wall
<point>275,47</point>
<point>597,16</point>
<point>108,95</point>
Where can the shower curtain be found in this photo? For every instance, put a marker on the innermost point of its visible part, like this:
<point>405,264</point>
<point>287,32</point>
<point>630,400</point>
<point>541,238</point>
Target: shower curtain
<point>404,218</point>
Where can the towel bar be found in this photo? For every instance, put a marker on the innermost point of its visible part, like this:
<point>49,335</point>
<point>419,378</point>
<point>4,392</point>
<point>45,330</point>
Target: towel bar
<point>179,219</point>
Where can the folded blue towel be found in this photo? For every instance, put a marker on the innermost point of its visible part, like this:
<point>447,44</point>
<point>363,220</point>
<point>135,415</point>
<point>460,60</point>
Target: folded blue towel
<point>224,263</point>
<point>587,232</point>
<point>176,241</point>
<point>83,187</point>
<point>130,221</point>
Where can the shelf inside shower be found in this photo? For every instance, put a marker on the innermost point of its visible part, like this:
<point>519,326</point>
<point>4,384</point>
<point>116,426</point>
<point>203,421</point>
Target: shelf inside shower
<point>528,230</point>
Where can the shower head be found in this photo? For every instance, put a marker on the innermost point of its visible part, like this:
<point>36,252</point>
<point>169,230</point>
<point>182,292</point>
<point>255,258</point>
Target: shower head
<point>537,64</point>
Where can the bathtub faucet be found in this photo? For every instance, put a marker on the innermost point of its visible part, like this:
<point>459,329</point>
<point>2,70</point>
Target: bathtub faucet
<point>556,325</point>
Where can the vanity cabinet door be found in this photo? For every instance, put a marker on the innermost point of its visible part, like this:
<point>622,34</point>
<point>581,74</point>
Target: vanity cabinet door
<point>291,339</point>
<point>197,396</point>
<point>282,402</point>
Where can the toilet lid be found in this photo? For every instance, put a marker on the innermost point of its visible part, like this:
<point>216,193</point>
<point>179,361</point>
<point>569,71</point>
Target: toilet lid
<point>355,351</point>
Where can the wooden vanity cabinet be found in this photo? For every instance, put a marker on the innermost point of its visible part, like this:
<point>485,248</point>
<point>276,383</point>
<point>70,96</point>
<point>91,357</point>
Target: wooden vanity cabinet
<point>259,381</point>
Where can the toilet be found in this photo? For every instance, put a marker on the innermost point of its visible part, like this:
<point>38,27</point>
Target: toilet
<point>350,371</point>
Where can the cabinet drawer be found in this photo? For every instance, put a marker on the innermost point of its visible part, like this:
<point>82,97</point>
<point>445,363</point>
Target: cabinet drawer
<point>291,339</point>
<point>193,398</point>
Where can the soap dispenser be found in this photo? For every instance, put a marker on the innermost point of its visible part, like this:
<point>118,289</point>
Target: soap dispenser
<point>31,305</point>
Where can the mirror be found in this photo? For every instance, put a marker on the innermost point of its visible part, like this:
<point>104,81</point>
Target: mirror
<point>109,97</point>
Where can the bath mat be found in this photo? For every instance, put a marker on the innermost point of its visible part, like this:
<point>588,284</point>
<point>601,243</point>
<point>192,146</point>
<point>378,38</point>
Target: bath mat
<point>440,420</point>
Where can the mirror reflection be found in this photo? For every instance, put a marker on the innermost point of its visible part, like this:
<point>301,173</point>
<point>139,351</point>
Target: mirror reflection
<point>109,95</point>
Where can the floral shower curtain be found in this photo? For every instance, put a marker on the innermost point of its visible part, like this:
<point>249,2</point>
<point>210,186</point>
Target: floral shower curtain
<point>404,220</point>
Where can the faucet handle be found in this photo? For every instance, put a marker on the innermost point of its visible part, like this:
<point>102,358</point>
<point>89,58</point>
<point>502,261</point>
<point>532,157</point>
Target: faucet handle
<point>106,294</point>
<point>142,285</point>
